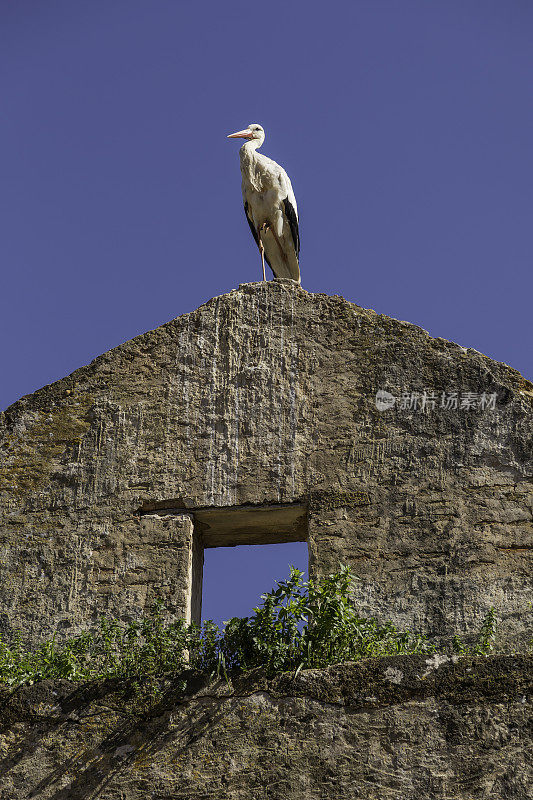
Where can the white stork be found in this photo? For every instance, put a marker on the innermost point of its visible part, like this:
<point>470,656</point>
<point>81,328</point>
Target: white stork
<point>269,205</point>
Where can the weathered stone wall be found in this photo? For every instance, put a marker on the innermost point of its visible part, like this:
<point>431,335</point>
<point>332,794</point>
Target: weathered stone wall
<point>403,727</point>
<point>266,396</point>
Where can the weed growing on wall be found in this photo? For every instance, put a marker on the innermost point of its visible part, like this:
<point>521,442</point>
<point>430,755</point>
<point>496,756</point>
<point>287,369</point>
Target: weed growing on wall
<point>299,624</point>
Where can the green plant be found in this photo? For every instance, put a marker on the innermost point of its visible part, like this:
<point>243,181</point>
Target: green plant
<point>485,640</point>
<point>311,624</point>
<point>299,624</point>
<point>487,634</point>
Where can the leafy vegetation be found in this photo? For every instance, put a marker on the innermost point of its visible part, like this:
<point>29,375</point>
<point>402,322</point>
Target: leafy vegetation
<point>300,624</point>
<point>486,638</point>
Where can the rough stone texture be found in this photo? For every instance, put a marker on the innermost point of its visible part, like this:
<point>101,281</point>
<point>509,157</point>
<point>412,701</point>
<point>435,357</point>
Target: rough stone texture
<point>266,396</point>
<point>401,728</point>
<point>166,556</point>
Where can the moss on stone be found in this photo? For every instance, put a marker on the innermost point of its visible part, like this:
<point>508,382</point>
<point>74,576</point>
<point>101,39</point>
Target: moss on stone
<point>329,500</point>
<point>29,459</point>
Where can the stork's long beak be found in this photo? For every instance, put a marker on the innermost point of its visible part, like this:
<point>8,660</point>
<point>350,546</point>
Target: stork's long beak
<point>246,134</point>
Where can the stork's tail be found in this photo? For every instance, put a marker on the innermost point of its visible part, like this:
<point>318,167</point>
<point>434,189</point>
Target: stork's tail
<point>283,262</point>
<point>282,270</point>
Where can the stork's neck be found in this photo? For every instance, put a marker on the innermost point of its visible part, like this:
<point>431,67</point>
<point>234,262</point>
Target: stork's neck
<point>247,151</point>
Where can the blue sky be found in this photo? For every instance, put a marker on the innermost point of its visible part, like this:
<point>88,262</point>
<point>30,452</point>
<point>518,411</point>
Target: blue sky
<point>406,128</point>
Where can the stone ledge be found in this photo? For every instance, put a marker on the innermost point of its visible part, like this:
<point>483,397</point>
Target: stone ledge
<point>367,683</point>
<point>409,727</point>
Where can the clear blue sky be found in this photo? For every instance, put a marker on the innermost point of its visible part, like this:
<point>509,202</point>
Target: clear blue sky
<point>406,127</point>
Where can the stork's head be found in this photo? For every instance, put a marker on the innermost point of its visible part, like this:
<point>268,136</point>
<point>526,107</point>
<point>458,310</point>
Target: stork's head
<point>253,132</point>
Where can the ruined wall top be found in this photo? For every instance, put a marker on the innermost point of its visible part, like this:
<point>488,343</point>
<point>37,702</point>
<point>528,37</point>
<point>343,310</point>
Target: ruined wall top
<point>267,395</point>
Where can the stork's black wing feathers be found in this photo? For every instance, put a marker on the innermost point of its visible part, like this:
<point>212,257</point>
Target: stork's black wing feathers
<point>290,213</point>
<point>254,232</point>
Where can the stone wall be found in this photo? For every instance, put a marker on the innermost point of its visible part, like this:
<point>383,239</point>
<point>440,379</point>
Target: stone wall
<point>264,399</point>
<point>408,728</point>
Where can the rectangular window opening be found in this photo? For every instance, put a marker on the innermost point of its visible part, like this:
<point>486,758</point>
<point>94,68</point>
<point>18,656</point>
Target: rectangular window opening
<point>229,571</point>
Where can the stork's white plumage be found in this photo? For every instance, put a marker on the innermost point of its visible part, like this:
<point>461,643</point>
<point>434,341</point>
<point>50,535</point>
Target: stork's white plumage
<point>269,205</point>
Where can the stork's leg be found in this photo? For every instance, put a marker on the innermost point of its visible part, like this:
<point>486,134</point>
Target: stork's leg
<point>264,227</point>
<point>262,251</point>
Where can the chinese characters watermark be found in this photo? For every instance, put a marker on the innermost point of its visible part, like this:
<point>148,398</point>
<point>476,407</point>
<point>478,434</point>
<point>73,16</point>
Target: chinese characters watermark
<point>429,400</point>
